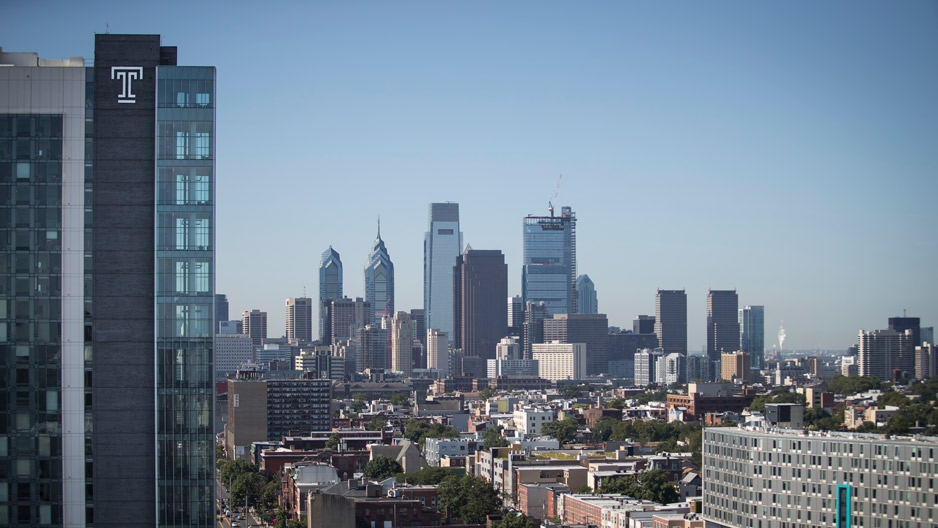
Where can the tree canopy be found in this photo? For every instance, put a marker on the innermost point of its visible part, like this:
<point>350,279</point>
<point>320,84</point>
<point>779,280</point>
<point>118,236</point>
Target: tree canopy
<point>493,438</point>
<point>417,431</point>
<point>777,395</point>
<point>650,485</point>
<point>469,498</point>
<point>399,398</point>
<point>849,385</point>
<point>428,476</point>
<point>563,430</point>
<point>516,520</point>
<point>382,467</point>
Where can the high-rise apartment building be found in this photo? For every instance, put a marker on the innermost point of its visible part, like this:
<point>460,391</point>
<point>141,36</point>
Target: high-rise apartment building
<point>330,287</point>
<point>646,366</point>
<point>560,361</point>
<point>752,334</point>
<point>254,324</point>
<point>442,244</point>
<point>926,361</point>
<point>106,287</point>
<point>698,368</point>
<point>883,353</point>
<point>372,351</point>
<point>722,322</point>
<point>782,477</point>
<point>418,319</point>
<point>221,311</point>
<point>590,329</point>
<point>515,316</point>
<point>402,343</point>
<point>671,320</point>
<point>438,352</point>
<point>586,303</point>
<point>480,286</point>
<point>735,366</point>
<point>548,274</point>
<point>379,281</point>
<point>299,314</point>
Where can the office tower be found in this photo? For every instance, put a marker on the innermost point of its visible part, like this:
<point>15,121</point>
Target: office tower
<point>402,343</point>
<point>735,366</point>
<point>644,324</point>
<point>232,351</point>
<point>441,245</point>
<point>121,266</point>
<point>548,274</point>
<point>722,322</point>
<point>671,320</point>
<point>926,334</point>
<point>254,324</point>
<point>901,324</point>
<point>560,361</point>
<point>299,313</point>
<point>534,314</point>
<point>480,286</point>
<point>752,334</point>
<point>372,350</point>
<point>418,319</point>
<point>646,364</point>
<point>438,352</point>
<point>590,329</point>
<point>773,477</point>
<point>926,361</point>
<point>346,317</point>
<point>229,327</point>
<point>221,310</point>
<point>330,287</point>
<point>379,281</point>
<point>508,348</point>
<point>586,295</point>
<point>621,350</point>
<point>883,353</point>
<point>515,316</point>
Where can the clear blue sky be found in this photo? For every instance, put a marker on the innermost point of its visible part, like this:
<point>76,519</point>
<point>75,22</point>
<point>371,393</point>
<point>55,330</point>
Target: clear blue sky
<point>789,151</point>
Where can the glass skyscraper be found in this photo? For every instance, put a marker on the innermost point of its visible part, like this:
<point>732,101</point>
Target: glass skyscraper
<point>330,287</point>
<point>442,245</point>
<point>752,334</point>
<point>379,281</point>
<point>107,288</point>
<point>586,303</point>
<point>548,274</point>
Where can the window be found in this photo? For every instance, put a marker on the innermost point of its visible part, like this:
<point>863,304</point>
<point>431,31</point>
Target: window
<point>202,192</point>
<point>182,188</point>
<point>202,233</point>
<point>182,99</point>
<point>202,99</point>
<point>182,277</point>
<point>182,233</point>
<point>182,145</point>
<point>202,277</point>
<point>202,144</point>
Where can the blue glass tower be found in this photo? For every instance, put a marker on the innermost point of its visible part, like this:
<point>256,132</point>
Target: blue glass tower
<point>441,247</point>
<point>752,335</point>
<point>330,287</point>
<point>379,280</point>
<point>586,302</point>
<point>548,274</point>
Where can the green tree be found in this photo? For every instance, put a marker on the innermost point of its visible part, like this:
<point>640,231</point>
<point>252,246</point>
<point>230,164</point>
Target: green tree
<point>656,395</point>
<point>569,392</point>
<point>376,424</point>
<point>493,438</point>
<point>333,442</point>
<point>399,398</point>
<point>486,393</point>
<point>516,520</point>
<point>849,385</point>
<point>650,485</point>
<point>563,430</point>
<point>892,398</point>
<point>468,498</point>
<point>233,469</point>
<point>250,486</point>
<point>428,476</point>
<point>382,467</point>
<point>417,431</point>
<point>616,403</point>
<point>604,427</point>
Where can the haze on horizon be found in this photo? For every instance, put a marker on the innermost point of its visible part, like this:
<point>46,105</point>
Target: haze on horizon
<point>787,151</point>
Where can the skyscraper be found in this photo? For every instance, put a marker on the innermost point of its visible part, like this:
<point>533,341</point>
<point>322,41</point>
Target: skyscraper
<point>901,324</point>
<point>221,310</point>
<point>438,352</point>
<point>586,295</point>
<point>480,286</point>
<point>722,322</point>
<point>548,274</point>
<point>534,315</point>
<point>379,281</point>
<point>671,321</point>
<point>883,353</point>
<point>752,334</point>
<point>515,315</point>
<point>643,324</point>
<point>590,329</point>
<point>330,287</point>
<point>402,343</point>
<point>441,245</point>
<point>76,421</point>
<point>299,314</point>
<point>254,324</point>
<point>347,316</point>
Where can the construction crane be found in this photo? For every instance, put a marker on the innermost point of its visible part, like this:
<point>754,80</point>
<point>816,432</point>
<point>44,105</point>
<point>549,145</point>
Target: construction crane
<point>550,203</point>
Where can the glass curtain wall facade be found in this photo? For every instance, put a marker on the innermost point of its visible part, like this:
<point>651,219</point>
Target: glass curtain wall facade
<point>379,281</point>
<point>441,247</point>
<point>549,271</point>
<point>330,287</point>
<point>752,334</point>
<point>185,262</point>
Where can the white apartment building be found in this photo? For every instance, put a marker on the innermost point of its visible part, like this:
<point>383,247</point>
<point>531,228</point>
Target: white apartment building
<point>438,351</point>
<point>560,361</point>
<point>529,419</point>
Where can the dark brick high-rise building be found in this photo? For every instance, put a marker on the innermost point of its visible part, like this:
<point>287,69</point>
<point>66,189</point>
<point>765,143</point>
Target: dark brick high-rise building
<point>480,314</point>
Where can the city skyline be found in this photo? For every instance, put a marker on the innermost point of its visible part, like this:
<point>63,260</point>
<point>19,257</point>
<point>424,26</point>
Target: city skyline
<point>739,158</point>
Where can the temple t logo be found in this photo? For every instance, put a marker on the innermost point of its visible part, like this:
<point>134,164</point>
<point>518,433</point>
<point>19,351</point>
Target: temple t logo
<point>127,75</point>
